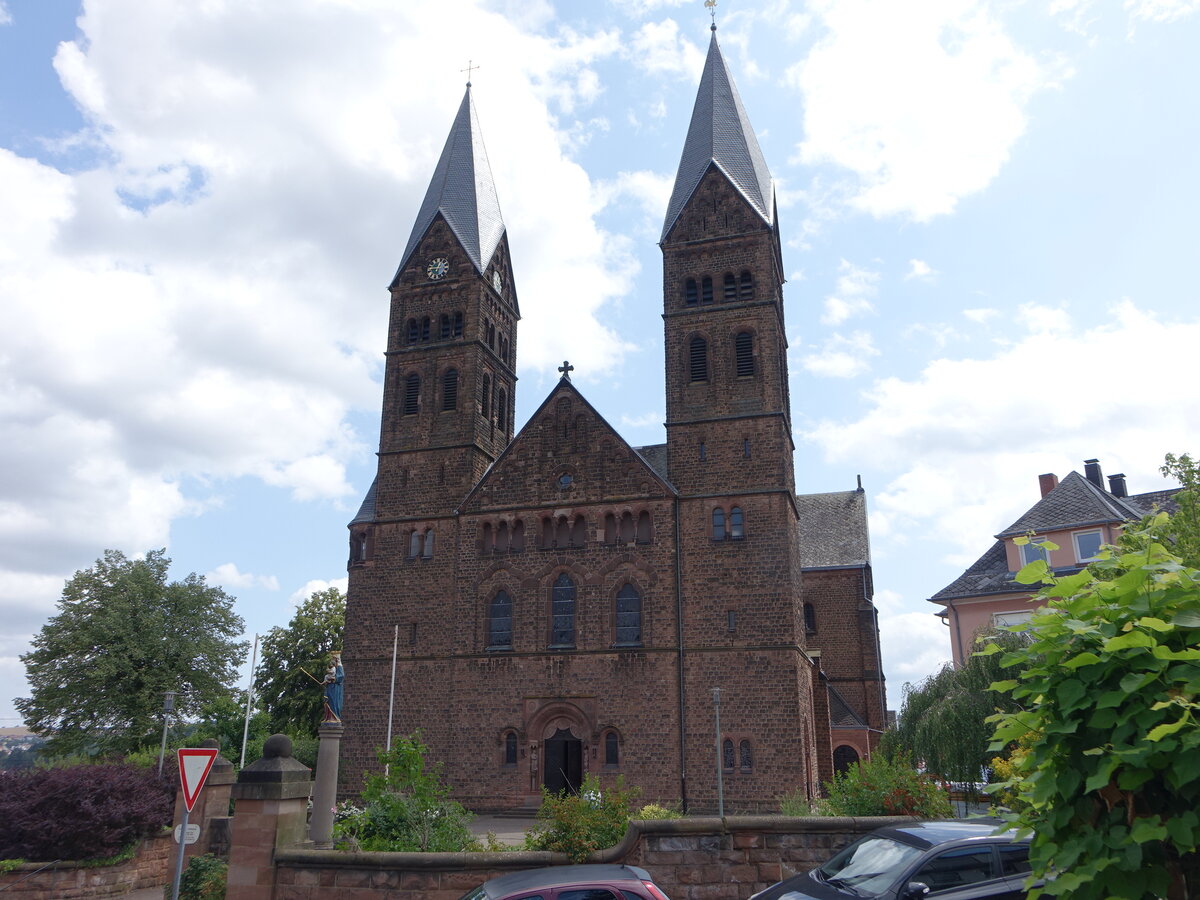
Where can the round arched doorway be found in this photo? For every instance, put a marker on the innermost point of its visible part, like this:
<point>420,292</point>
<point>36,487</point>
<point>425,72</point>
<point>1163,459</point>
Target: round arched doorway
<point>843,758</point>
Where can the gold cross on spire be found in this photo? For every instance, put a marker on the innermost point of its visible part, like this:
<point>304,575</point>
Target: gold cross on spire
<point>471,67</point>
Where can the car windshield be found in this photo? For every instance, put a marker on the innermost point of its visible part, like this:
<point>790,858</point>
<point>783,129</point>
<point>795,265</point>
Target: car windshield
<point>868,866</point>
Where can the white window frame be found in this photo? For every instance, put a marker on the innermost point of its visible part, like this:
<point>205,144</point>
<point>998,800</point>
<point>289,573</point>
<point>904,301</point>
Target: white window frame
<point>1076,535</point>
<point>1034,542</point>
<point>1011,617</point>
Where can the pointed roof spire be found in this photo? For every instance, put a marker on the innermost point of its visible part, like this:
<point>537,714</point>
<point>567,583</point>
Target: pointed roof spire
<point>463,192</point>
<point>720,134</point>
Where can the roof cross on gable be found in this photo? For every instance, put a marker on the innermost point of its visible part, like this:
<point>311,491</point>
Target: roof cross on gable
<point>566,368</point>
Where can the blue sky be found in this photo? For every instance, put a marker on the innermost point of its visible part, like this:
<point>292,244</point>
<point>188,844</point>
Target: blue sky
<point>988,214</point>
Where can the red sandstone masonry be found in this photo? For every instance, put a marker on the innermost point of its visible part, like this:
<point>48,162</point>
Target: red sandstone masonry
<point>68,881</point>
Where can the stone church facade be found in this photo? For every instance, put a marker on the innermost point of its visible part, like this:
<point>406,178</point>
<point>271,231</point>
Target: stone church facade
<point>565,603</point>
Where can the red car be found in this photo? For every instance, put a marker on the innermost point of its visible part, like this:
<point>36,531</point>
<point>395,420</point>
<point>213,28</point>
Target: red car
<point>597,882</point>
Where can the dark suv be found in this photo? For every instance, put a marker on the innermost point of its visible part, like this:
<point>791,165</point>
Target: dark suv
<point>596,882</point>
<point>961,859</point>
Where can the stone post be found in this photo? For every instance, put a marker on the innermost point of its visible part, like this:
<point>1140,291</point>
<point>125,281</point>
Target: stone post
<point>320,830</point>
<point>271,808</point>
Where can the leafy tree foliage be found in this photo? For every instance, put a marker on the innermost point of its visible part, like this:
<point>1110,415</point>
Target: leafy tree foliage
<point>1184,531</point>
<point>224,719</point>
<point>292,701</point>
<point>579,824</point>
<point>885,786</point>
<point>1109,779</point>
<point>122,637</point>
<point>943,721</point>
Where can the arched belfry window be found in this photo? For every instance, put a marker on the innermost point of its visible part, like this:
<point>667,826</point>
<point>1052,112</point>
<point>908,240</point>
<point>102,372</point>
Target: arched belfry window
<point>444,327</point>
<point>746,287</point>
<point>691,295</point>
<point>698,359</point>
<point>743,346</point>
<point>412,394</point>
<point>731,288</point>
<point>500,622</point>
<point>425,328</point>
<point>414,331</point>
<point>450,390</point>
<point>706,290</point>
<point>629,617</point>
<point>458,324</point>
<point>562,613</point>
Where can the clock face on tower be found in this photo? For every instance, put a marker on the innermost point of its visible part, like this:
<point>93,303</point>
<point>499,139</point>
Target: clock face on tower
<point>437,268</point>
<point>497,281</point>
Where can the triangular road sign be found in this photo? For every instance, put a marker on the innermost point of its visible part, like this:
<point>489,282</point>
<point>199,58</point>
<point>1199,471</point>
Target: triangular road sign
<point>194,766</point>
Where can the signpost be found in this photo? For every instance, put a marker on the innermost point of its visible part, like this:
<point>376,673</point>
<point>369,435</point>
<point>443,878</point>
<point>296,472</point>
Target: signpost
<point>194,765</point>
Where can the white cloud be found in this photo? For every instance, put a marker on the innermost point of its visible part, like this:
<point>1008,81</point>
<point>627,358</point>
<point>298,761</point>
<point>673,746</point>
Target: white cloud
<point>1037,317</point>
<point>841,356</point>
<point>309,588</point>
<point>228,576</point>
<point>940,333</point>
<point>643,421</point>
<point>5,15</point>
<point>941,124</point>
<point>970,436</point>
<point>981,315</point>
<point>650,191</point>
<point>658,49</point>
<point>1161,11</point>
<point>919,269</point>
<point>913,646</point>
<point>855,287</point>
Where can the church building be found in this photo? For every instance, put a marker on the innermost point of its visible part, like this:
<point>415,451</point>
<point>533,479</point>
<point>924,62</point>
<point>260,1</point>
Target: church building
<point>566,604</point>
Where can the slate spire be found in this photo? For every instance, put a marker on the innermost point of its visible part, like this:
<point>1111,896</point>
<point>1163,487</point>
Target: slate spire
<point>720,134</point>
<point>462,190</point>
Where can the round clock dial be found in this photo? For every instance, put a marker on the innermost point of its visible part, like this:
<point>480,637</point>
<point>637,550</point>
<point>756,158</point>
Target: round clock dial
<point>497,281</point>
<point>437,268</point>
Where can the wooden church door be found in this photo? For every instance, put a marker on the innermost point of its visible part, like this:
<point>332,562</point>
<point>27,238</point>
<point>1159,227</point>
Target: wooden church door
<point>564,762</point>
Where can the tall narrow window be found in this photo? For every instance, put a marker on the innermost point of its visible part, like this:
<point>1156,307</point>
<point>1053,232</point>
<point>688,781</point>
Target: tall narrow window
<point>500,622</point>
<point>629,617</point>
<point>746,288</point>
<point>425,328</point>
<point>643,527</point>
<point>412,394</point>
<point>562,533</point>
<point>727,757</point>
<point>737,528</point>
<point>579,532</point>
<point>491,335</point>
<point>444,327</point>
<point>502,408</point>
<point>810,619</point>
<point>510,749</point>
<point>547,532</point>
<point>502,537</point>
<point>698,359</point>
<point>610,529</point>
<point>718,517</point>
<point>731,292</point>
<point>488,541</point>
<point>746,757</point>
<point>706,290</point>
<point>414,544</point>
<point>450,389</point>
<point>518,536</point>
<point>562,612</point>
<point>744,353</point>
<point>414,331</point>
<point>485,403</point>
<point>428,551</point>
<point>612,750</point>
<point>458,324</point>
<point>627,530</point>
<point>690,294</point>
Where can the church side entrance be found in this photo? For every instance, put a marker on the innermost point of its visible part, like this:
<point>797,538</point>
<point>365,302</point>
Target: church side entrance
<point>564,762</point>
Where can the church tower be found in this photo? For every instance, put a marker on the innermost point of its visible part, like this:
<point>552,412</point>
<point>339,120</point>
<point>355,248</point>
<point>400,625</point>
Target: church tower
<point>450,380</point>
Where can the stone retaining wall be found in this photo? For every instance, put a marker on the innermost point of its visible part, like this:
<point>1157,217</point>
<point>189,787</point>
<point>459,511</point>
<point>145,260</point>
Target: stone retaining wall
<point>691,859</point>
<point>70,881</point>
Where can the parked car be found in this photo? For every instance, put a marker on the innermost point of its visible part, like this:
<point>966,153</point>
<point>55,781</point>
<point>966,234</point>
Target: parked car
<point>960,859</point>
<point>594,882</point>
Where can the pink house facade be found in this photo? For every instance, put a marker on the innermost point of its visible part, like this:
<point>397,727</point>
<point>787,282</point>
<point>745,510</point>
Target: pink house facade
<point>1078,515</point>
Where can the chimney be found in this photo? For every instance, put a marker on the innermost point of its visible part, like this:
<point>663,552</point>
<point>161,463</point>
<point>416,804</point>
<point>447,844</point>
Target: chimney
<point>1091,471</point>
<point>1047,482</point>
<point>1116,485</point>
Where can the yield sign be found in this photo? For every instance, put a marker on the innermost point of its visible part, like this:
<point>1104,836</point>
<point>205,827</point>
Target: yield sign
<point>194,766</point>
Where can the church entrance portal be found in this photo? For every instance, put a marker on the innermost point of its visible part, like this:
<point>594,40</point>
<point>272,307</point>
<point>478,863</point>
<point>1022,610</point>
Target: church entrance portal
<point>564,762</point>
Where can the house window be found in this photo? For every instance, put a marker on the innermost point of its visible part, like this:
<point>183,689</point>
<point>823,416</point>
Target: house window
<point>698,359</point>
<point>727,756</point>
<point>500,622</point>
<point>730,287</point>
<point>562,613</point>
<point>612,749</point>
<point>690,294</point>
<point>746,288</point>
<point>743,346</point>
<point>1087,545</point>
<point>1009,619</point>
<point>629,617</point>
<point>745,757</point>
<point>737,529</point>
<point>412,394</point>
<point>810,619</point>
<point>1034,550</point>
<point>510,749</point>
<point>706,290</point>
<point>718,524</point>
<point>450,390</point>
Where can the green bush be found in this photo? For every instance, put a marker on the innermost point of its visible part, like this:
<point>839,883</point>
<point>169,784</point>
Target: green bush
<point>658,811</point>
<point>797,804</point>
<point>408,809</point>
<point>204,879</point>
<point>882,786</point>
<point>577,824</point>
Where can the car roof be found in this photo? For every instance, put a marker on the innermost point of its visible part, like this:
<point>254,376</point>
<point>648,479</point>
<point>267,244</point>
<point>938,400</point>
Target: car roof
<point>929,834</point>
<point>532,879</point>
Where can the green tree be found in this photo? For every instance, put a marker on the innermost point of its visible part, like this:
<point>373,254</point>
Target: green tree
<point>944,720</point>
<point>1109,780</point>
<point>291,699</point>
<point>224,719</point>
<point>1184,532</point>
<point>123,636</point>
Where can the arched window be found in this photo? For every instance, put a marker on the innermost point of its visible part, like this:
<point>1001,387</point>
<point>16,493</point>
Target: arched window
<point>458,324</point>
<point>450,390</point>
<point>488,542</point>
<point>510,749</point>
<point>718,517</point>
<point>737,529</point>
<point>414,331</point>
<point>428,543</point>
<point>562,612</point>
<point>562,532</point>
<point>412,394</point>
<point>518,536</point>
<point>502,537</point>
<point>743,346</point>
<point>627,530</point>
<point>491,335</point>
<point>643,527</point>
<point>706,290</point>
<point>579,532</point>
<point>746,288</point>
<point>843,758</point>
<point>731,292</point>
<point>358,549</point>
<point>745,757</point>
<point>547,532</point>
<point>425,328</point>
<point>485,402</point>
<point>612,749</point>
<point>610,528</point>
<point>629,617</point>
<point>502,408</point>
<point>698,359</point>
<point>690,294</point>
<point>414,545</point>
<point>810,619</point>
<point>727,757</point>
<point>444,327</point>
<point>503,348</point>
<point>500,622</point>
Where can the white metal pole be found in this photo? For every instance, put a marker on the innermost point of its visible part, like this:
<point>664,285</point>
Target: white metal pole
<point>249,698</point>
<point>720,764</point>
<point>392,694</point>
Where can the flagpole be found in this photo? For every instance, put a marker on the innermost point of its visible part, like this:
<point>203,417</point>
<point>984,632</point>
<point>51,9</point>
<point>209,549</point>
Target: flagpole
<point>249,697</point>
<point>392,694</point>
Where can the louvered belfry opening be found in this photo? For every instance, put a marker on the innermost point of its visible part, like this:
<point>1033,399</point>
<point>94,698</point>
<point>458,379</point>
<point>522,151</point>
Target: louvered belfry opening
<point>412,394</point>
<point>450,390</point>
<point>744,353</point>
<point>731,290</point>
<point>698,359</point>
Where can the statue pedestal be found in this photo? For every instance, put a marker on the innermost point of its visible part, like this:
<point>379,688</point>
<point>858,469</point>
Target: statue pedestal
<point>320,825</point>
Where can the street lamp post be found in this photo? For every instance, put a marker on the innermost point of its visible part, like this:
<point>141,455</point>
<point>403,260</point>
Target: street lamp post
<point>168,707</point>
